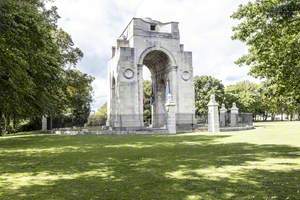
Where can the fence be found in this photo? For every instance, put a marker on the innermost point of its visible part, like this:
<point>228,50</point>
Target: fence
<point>184,121</point>
<point>63,122</point>
<point>190,122</point>
<point>245,119</point>
<point>236,120</point>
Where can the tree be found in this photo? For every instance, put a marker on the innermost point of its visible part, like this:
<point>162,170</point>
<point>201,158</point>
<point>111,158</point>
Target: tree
<point>33,57</point>
<point>79,96</point>
<point>246,95</point>
<point>147,100</point>
<point>275,103</point>
<point>205,86</point>
<point>102,111</point>
<point>99,118</point>
<point>271,31</point>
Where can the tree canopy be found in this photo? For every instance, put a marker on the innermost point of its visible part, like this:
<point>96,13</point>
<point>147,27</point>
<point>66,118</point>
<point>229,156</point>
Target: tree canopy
<point>35,55</point>
<point>246,95</point>
<point>205,86</point>
<point>271,30</point>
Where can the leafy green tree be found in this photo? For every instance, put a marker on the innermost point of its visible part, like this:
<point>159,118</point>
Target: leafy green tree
<point>99,118</point>
<point>147,100</point>
<point>79,95</point>
<point>271,31</point>
<point>246,95</point>
<point>205,86</point>
<point>275,103</point>
<point>33,55</point>
<point>102,111</point>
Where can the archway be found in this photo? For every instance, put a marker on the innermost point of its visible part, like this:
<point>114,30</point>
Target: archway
<point>158,63</point>
<point>156,45</point>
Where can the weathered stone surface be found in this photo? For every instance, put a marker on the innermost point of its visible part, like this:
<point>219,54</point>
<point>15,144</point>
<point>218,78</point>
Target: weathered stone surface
<point>44,123</point>
<point>146,42</point>
<point>213,115</point>
<point>234,112</point>
<point>171,116</point>
<point>223,111</point>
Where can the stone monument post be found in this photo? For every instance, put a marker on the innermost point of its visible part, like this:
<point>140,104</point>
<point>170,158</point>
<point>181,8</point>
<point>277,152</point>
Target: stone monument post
<point>44,123</point>
<point>171,115</point>
<point>234,112</point>
<point>223,111</point>
<point>213,115</point>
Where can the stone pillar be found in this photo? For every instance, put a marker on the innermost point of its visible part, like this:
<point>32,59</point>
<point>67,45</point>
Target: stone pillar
<point>171,115</point>
<point>234,112</point>
<point>140,93</point>
<point>223,111</point>
<point>154,111</point>
<point>213,115</point>
<point>44,123</point>
<point>174,83</point>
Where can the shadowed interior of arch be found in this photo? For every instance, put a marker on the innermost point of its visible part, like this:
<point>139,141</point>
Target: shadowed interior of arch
<point>158,64</point>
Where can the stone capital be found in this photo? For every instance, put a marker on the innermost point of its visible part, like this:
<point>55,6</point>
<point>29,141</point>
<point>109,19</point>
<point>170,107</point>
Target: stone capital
<point>212,101</point>
<point>234,109</point>
<point>223,109</point>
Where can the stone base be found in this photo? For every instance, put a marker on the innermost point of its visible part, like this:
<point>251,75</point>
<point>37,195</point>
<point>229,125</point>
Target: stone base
<point>244,128</point>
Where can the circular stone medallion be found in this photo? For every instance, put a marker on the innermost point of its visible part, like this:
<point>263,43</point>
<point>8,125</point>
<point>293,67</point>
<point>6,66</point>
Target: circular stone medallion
<point>186,75</point>
<point>128,73</point>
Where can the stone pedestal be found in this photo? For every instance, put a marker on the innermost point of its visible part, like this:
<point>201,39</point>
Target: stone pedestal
<point>44,123</point>
<point>213,115</point>
<point>171,116</point>
<point>223,111</point>
<point>234,112</point>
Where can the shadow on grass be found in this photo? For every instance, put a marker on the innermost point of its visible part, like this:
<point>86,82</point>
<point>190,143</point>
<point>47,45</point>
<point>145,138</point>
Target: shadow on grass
<point>146,167</point>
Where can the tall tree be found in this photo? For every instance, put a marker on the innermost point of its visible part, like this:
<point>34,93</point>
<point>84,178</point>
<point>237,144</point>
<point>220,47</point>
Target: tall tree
<point>33,54</point>
<point>271,31</point>
<point>79,96</point>
<point>276,103</point>
<point>205,86</point>
<point>99,118</point>
<point>246,95</point>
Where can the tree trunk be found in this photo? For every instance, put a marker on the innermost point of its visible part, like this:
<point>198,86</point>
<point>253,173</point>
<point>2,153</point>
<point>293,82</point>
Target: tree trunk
<point>272,117</point>
<point>4,123</point>
<point>8,127</point>
<point>14,122</point>
<point>291,117</point>
<point>1,124</point>
<point>265,117</point>
<point>50,126</point>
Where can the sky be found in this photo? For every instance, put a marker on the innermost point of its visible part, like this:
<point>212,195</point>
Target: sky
<point>205,29</point>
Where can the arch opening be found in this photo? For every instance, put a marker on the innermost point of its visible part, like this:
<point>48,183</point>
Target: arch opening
<point>155,90</point>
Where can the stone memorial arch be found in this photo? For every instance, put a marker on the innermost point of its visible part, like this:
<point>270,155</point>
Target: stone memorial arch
<point>155,45</point>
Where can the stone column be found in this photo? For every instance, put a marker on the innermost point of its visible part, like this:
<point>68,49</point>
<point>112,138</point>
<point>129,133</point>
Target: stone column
<point>223,111</point>
<point>171,115</point>
<point>140,93</point>
<point>174,83</point>
<point>234,111</point>
<point>213,115</point>
<point>44,123</point>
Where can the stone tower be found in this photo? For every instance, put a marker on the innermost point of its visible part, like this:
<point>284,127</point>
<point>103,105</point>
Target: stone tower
<point>156,45</point>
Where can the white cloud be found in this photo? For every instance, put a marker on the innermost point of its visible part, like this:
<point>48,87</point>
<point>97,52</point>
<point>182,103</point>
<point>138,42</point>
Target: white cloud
<point>205,28</point>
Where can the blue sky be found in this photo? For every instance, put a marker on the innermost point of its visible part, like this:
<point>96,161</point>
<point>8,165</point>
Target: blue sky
<point>205,29</point>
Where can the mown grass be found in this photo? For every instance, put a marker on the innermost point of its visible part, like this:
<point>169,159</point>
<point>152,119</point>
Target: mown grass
<point>259,164</point>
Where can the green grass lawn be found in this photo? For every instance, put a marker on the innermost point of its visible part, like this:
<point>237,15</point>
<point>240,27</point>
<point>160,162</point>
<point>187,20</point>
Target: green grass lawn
<point>259,164</point>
